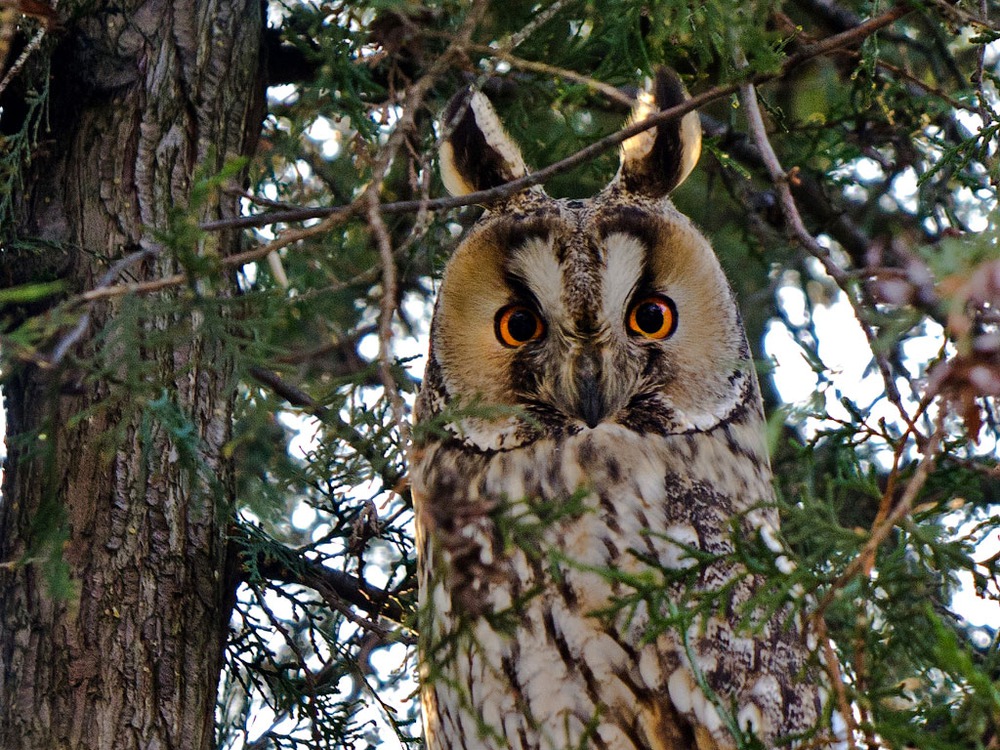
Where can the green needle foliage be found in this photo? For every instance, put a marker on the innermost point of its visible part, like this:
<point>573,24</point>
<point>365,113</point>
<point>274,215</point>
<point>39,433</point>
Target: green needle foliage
<point>889,489</point>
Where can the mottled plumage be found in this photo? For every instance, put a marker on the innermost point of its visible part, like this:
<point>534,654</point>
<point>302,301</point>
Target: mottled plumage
<point>590,424</point>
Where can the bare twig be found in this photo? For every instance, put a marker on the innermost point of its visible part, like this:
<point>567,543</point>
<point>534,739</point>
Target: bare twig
<point>587,153</point>
<point>797,229</point>
<point>881,531</point>
<point>387,310</point>
<point>520,63</point>
<point>29,48</point>
<point>963,16</point>
<point>336,214</point>
<point>77,332</point>
<point>293,395</point>
<point>390,289</point>
<point>288,237</point>
<point>356,591</point>
<point>834,672</point>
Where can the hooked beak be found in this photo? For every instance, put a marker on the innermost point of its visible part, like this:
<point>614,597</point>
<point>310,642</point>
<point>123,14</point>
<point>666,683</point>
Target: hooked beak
<point>590,398</point>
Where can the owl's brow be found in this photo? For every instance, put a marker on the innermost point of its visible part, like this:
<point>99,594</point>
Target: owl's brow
<point>635,222</point>
<point>522,292</point>
<point>512,234</point>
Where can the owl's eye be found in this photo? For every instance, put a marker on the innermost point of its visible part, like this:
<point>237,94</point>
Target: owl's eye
<point>653,317</point>
<point>516,325</point>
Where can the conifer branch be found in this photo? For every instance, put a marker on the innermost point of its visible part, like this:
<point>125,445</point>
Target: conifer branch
<point>351,589</point>
<point>335,215</point>
<point>859,299</point>
<point>830,44</point>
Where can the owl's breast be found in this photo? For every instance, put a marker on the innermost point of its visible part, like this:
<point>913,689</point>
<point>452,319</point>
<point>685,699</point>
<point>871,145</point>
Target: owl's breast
<point>603,507</point>
<point>563,559</point>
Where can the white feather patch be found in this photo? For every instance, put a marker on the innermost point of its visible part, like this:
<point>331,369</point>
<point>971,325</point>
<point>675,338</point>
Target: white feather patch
<point>682,690</point>
<point>639,146</point>
<point>624,254</point>
<point>496,137</point>
<point>536,262</point>
<point>678,557</point>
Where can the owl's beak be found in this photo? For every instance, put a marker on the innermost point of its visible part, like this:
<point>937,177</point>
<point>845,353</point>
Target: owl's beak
<point>590,398</point>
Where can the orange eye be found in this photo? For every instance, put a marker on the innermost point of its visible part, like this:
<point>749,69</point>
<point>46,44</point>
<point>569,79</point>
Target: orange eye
<point>653,317</point>
<point>516,325</point>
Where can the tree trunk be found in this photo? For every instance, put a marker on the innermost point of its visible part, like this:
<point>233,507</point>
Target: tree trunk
<point>144,96</point>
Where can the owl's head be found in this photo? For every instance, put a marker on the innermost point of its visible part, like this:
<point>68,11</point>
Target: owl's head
<point>572,315</point>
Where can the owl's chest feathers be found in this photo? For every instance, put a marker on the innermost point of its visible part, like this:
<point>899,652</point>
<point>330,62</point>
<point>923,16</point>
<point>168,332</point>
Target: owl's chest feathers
<point>599,506</point>
<point>534,564</point>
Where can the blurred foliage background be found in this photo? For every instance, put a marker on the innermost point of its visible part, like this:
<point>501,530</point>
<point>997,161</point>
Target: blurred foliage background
<point>878,342</point>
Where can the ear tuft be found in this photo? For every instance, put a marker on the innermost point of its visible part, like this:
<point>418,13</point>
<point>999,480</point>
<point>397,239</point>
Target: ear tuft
<point>656,161</point>
<point>477,154</point>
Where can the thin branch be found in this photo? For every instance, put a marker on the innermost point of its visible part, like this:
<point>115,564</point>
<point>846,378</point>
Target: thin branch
<point>356,591</point>
<point>533,25</point>
<point>334,215</point>
<point>964,17</point>
<point>387,311</point>
<point>927,88</point>
<point>67,342</point>
<point>29,48</point>
<point>797,229</point>
<point>836,675</point>
<point>288,237</point>
<point>587,153</point>
<point>533,66</point>
<point>881,531</point>
<point>415,96</point>
<point>293,395</point>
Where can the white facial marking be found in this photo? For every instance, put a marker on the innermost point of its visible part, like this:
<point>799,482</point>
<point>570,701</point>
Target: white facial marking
<point>537,263</point>
<point>625,254</point>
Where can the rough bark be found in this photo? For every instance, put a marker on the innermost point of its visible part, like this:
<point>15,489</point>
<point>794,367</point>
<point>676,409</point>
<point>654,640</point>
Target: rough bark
<point>144,93</point>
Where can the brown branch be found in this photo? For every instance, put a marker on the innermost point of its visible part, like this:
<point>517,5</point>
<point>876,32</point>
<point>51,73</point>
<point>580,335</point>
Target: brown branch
<point>293,395</point>
<point>881,531</point>
<point>587,153</point>
<point>610,92</point>
<point>288,237</point>
<point>370,198</point>
<point>29,48</point>
<point>387,311</point>
<point>336,214</point>
<point>356,591</point>
<point>797,229</point>
<point>964,17</point>
<point>862,563</point>
<point>834,672</point>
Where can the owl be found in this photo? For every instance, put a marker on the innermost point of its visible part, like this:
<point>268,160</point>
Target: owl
<point>588,444</point>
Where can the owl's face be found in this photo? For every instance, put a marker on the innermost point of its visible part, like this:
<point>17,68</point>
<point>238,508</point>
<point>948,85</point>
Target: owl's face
<point>584,313</point>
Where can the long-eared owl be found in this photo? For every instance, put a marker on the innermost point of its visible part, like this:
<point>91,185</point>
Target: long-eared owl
<point>588,444</point>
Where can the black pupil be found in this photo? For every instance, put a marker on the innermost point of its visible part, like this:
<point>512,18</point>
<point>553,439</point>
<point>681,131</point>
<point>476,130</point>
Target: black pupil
<point>649,317</point>
<point>521,325</point>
